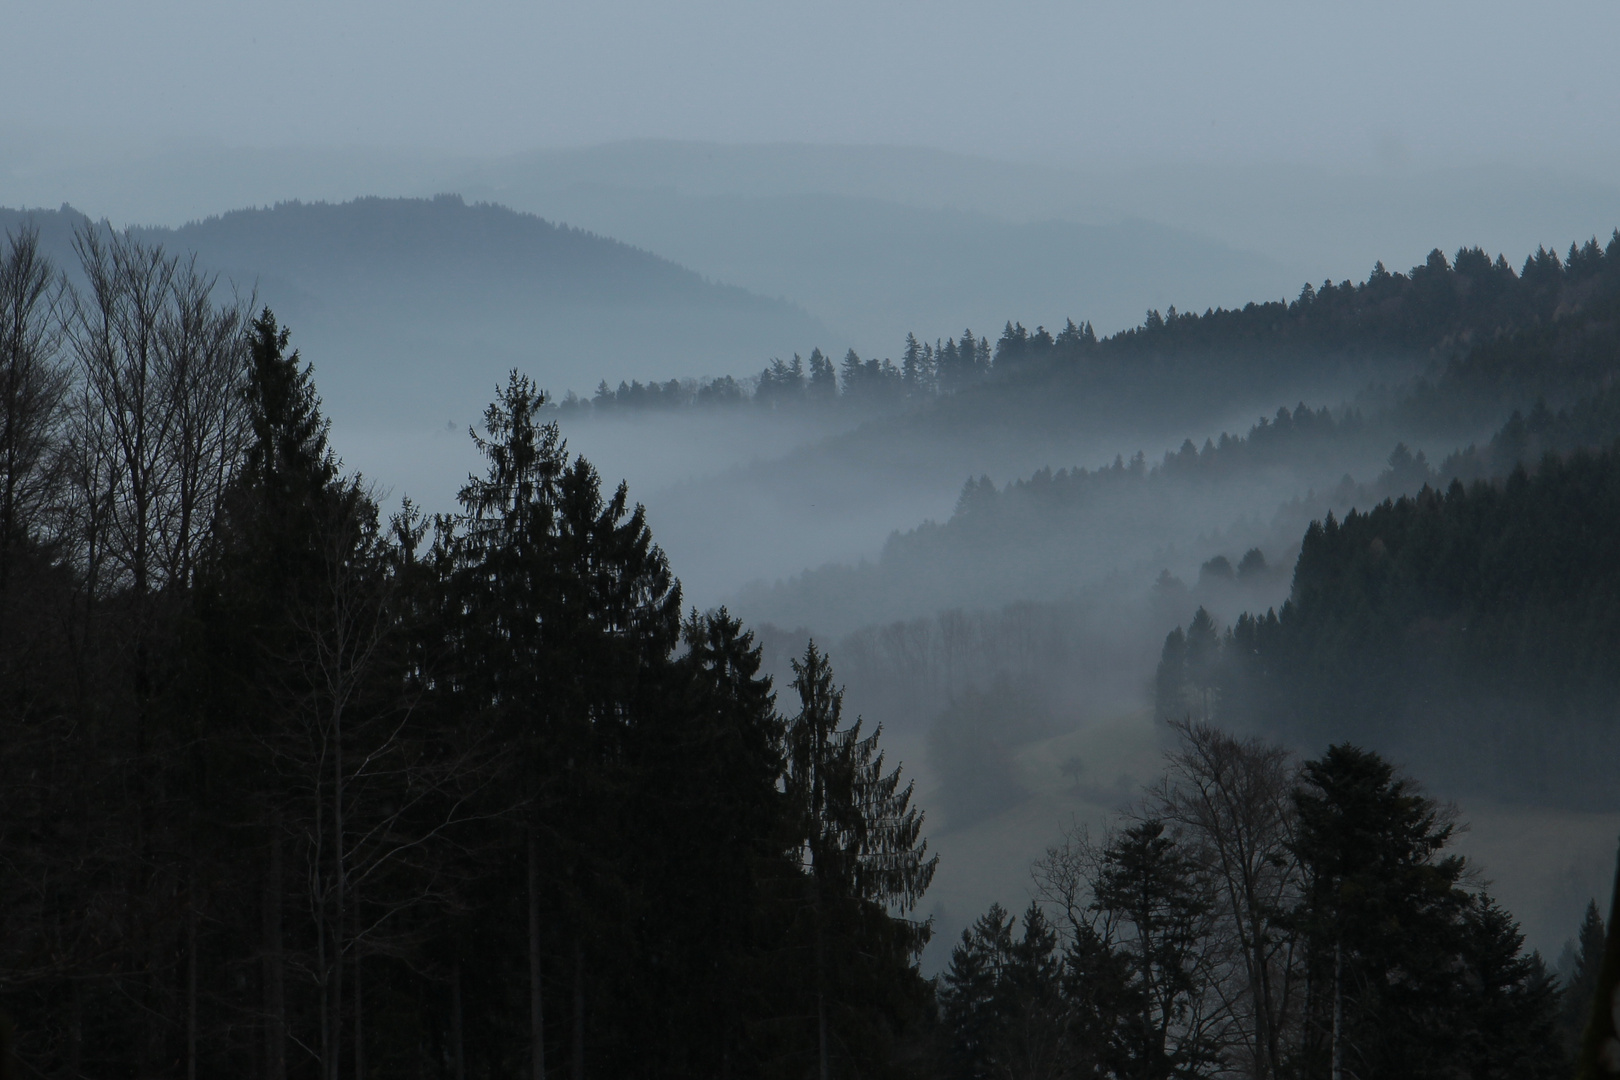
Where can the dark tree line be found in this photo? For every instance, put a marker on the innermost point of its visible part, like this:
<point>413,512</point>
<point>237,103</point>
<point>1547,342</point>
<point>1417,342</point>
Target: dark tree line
<point>1466,340</point>
<point>1256,917</point>
<point>1497,340</point>
<point>1472,628</point>
<point>1553,326</point>
<point>295,788</point>
<point>1500,337</point>
<point>1289,437</point>
<point>1590,423</point>
<point>925,371</point>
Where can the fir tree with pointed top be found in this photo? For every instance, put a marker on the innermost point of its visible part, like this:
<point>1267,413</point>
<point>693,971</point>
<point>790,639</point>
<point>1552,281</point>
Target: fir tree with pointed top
<point>866,867</point>
<point>1581,982</point>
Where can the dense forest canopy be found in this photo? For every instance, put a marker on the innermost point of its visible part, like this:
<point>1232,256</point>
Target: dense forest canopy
<point>1059,533</point>
<point>1486,335</point>
<point>295,788</point>
<point>1471,628</point>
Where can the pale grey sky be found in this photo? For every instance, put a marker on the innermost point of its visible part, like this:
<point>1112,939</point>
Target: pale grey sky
<point>1346,86</point>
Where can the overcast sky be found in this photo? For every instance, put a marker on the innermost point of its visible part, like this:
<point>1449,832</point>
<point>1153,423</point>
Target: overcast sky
<point>1347,86</point>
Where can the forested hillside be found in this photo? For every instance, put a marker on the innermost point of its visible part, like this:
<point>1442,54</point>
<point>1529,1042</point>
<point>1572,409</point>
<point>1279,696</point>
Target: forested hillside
<point>1472,629</point>
<point>882,444</point>
<point>1493,342</point>
<point>1461,625</point>
<point>1023,541</point>
<point>1036,606</point>
<point>1487,338</point>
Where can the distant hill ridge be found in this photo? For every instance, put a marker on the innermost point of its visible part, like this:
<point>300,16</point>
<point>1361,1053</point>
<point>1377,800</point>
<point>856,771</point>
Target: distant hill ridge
<point>451,294</point>
<point>443,237</point>
<point>446,235</point>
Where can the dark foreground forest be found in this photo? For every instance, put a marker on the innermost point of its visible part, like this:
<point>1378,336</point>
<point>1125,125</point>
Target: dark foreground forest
<point>291,789</point>
<point>294,787</point>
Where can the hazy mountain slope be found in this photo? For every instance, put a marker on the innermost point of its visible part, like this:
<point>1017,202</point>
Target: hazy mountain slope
<point>1076,401</point>
<point>413,309</point>
<point>1335,222</point>
<point>910,175</point>
<point>873,268</point>
<point>438,243</point>
<point>1055,534</point>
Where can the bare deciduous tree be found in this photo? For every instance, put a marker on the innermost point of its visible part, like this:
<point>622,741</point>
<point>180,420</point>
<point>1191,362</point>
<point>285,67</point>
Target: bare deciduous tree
<point>203,364</point>
<point>1223,814</point>
<point>39,941</point>
<point>368,796</point>
<point>162,366</point>
<point>1230,800</point>
<point>33,389</point>
<point>153,432</point>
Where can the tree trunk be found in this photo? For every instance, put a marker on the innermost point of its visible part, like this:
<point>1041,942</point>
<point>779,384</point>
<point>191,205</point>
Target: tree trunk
<point>822,1040</point>
<point>1338,1012</point>
<point>323,966</point>
<point>821,1032</point>
<point>1260,980</point>
<point>359,1009</point>
<point>275,996</point>
<point>537,1012</point>
<point>579,1011</point>
<point>191,976</point>
<point>340,886</point>
<point>458,1050</point>
<point>76,1030</point>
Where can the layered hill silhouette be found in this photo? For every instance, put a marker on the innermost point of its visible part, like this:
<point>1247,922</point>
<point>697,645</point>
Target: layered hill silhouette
<point>873,268</point>
<point>413,305</point>
<point>443,245</point>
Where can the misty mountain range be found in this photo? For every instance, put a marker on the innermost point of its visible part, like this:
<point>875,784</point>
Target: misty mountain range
<point>1309,221</point>
<point>454,294</point>
<point>949,542</point>
<point>411,308</point>
<point>858,261</point>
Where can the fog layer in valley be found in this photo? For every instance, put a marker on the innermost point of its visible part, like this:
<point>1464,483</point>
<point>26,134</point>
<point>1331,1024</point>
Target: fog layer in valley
<point>869,538</point>
<point>993,570</point>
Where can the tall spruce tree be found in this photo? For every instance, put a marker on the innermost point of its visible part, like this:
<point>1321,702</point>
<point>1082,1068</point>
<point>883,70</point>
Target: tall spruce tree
<point>1001,1000</point>
<point>1381,917</point>
<point>707,821</point>
<point>1581,980</point>
<point>269,560</point>
<point>568,612</point>
<point>1600,1041</point>
<point>1504,1010</point>
<point>1154,901</point>
<point>866,866</point>
<point>303,694</point>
